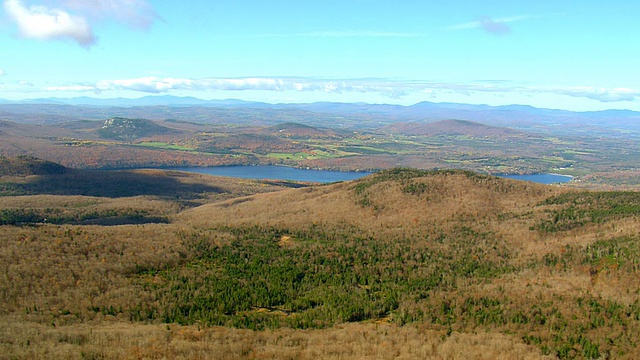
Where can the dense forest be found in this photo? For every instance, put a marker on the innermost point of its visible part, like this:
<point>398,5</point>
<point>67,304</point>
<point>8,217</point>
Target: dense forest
<point>443,256</point>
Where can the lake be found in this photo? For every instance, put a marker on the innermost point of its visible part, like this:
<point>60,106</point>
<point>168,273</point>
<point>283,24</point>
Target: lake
<point>274,172</point>
<point>540,178</point>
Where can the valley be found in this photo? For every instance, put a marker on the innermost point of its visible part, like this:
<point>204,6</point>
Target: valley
<point>340,137</point>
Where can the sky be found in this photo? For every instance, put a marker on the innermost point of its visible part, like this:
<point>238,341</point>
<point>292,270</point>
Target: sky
<point>577,55</point>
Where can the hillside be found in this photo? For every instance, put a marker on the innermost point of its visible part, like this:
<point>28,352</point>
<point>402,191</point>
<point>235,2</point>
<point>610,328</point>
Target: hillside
<point>12,130</point>
<point>434,264</point>
<point>456,250</point>
<point>295,130</point>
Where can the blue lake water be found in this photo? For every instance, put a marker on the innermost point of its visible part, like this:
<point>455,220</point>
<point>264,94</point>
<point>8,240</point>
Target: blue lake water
<point>541,178</point>
<point>273,172</point>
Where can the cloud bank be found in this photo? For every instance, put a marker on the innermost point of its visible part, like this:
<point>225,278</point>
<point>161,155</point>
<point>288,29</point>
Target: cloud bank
<point>156,85</point>
<point>74,19</point>
<point>603,94</point>
<point>388,88</point>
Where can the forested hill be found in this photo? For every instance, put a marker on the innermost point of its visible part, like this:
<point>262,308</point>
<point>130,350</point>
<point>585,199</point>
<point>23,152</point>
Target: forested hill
<point>27,165</point>
<point>454,127</point>
<point>451,250</point>
<point>398,197</point>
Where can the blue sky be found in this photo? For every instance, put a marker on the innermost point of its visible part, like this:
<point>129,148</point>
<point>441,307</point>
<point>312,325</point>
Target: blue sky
<point>576,55</point>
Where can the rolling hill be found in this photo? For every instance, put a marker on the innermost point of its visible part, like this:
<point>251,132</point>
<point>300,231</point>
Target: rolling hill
<point>27,165</point>
<point>396,198</point>
<point>295,130</point>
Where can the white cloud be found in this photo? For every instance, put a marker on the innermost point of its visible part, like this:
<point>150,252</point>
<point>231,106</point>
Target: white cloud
<point>73,19</point>
<point>599,94</point>
<point>42,23</point>
<point>2,72</point>
<point>493,26</point>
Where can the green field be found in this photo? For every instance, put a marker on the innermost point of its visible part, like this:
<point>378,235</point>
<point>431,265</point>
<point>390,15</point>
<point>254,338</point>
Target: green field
<point>162,145</point>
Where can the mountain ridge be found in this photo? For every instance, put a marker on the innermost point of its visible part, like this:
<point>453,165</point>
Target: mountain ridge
<point>170,100</point>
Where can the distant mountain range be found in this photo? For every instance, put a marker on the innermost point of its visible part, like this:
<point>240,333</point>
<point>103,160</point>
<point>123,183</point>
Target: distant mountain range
<point>346,115</point>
